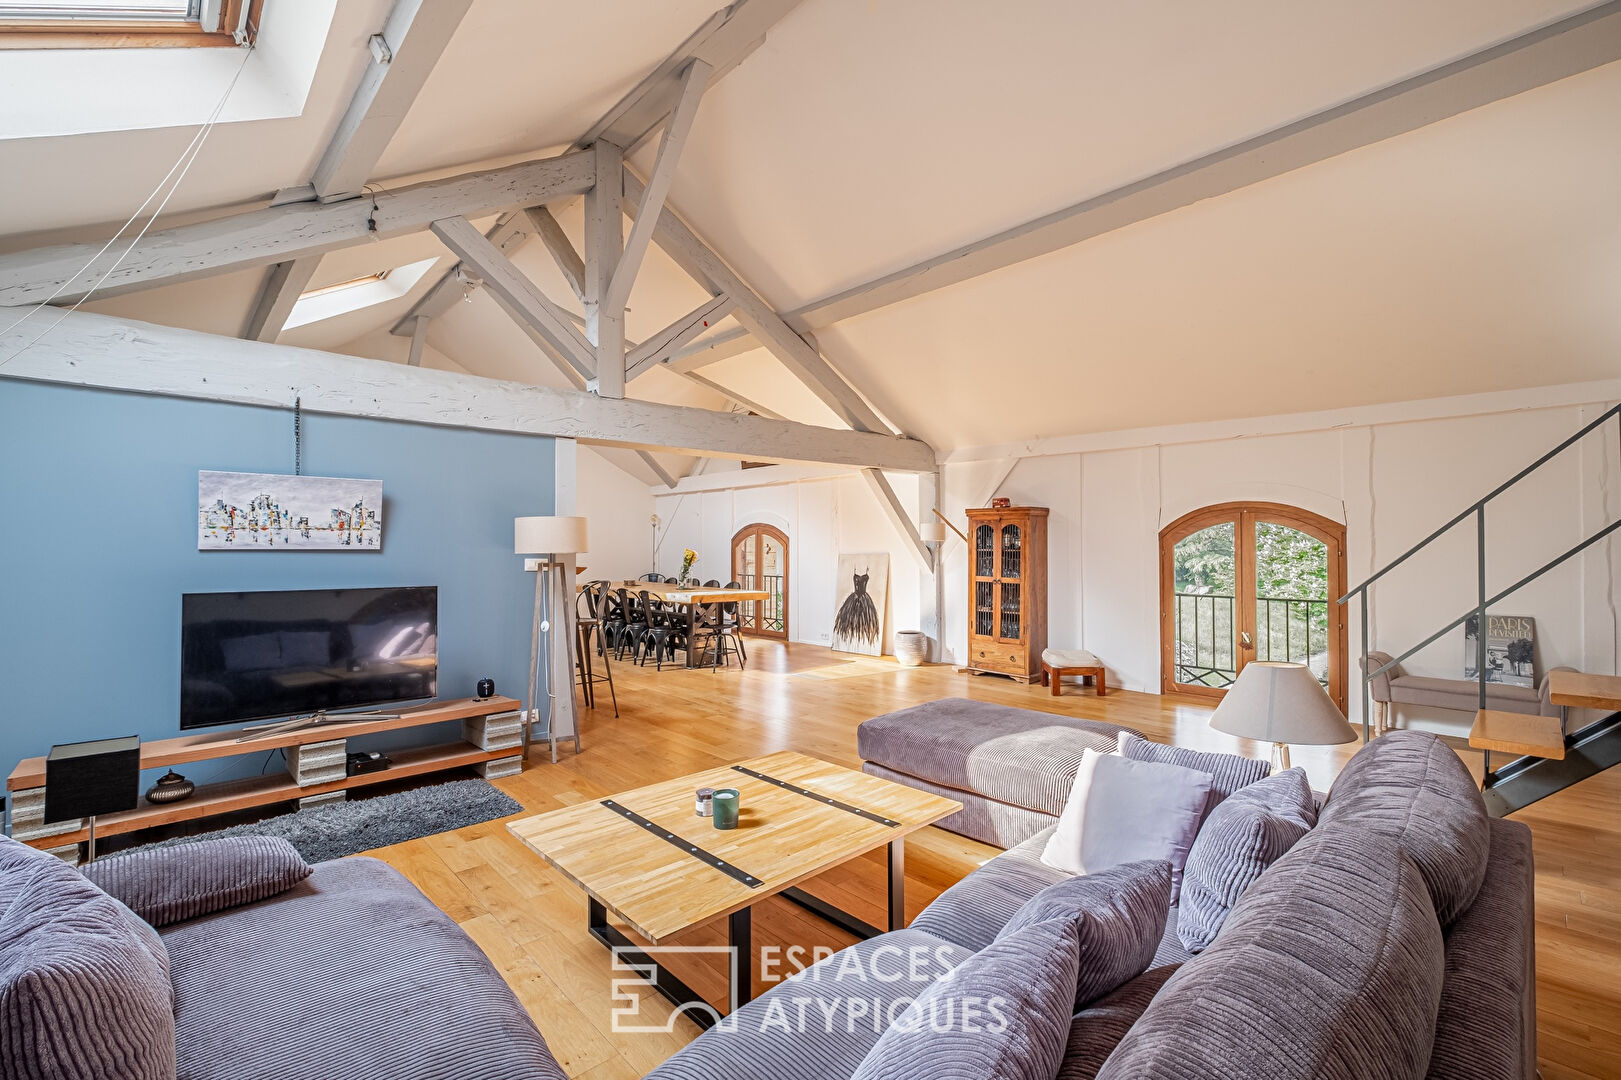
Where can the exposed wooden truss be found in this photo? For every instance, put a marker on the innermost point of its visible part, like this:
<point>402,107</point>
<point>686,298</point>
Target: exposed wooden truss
<point>1567,47</point>
<point>658,470</point>
<point>519,296</point>
<point>569,262</point>
<point>604,235</point>
<point>412,40</point>
<point>890,504</point>
<point>730,395</point>
<point>111,353</point>
<point>282,233</point>
<point>658,347</point>
<point>506,234</point>
<point>284,284</point>
<point>419,339</point>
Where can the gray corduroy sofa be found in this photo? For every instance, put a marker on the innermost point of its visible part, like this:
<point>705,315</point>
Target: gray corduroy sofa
<point>1395,940</point>
<point>349,974</point>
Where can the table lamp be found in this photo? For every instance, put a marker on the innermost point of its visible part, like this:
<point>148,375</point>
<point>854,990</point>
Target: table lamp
<point>1281,704</point>
<point>549,537</point>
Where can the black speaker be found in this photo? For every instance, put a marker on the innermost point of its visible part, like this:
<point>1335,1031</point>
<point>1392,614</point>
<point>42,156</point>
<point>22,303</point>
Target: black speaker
<point>486,687</point>
<point>102,776</point>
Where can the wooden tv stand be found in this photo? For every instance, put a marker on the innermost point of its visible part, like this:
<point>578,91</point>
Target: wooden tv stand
<point>492,741</point>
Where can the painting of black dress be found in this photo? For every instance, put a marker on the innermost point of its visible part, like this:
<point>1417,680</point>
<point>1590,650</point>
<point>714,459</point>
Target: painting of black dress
<point>1510,649</point>
<point>862,592</point>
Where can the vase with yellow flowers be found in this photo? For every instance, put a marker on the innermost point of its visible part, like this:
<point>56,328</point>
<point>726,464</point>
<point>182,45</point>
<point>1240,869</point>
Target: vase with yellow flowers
<point>688,557</point>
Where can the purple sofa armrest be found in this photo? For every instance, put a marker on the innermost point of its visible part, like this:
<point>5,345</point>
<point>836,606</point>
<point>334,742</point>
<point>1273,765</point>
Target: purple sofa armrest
<point>170,884</point>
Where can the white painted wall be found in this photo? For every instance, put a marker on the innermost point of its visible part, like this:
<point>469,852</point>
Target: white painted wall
<point>617,508</point>
<point>1390,483</point>
<point>823,511</point>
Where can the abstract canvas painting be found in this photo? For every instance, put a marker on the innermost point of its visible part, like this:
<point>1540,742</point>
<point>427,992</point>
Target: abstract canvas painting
<point>861,594</point>
<point>265,512</point>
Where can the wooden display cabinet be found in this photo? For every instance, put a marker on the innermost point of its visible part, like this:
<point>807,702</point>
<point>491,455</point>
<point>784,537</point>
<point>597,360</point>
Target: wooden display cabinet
<point>1007,591</point>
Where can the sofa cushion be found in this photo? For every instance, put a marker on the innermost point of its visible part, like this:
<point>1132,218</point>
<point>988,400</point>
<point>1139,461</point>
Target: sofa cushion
<point>1228,772</point>
<point>1411,786</point>
<point>1003,1014</point>
<point>1487,1023</point>
<point>350,975</point>
<point>1121,811</point>
<point>84,984</point>
<point>1243,836</point>
<point>1018,756</point>
<point>1122,914</point>
<point>1329,968</point>
<point>821,1022</point>
<point>1096,1030</point>
<point>971,912</point>
<point>167,884</point>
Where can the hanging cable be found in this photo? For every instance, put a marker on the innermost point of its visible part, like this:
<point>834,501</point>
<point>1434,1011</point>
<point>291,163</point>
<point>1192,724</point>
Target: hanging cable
<point>187,158</point>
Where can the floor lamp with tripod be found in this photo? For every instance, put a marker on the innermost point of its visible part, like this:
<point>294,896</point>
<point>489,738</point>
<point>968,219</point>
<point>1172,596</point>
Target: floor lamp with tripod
<point>548,538</point>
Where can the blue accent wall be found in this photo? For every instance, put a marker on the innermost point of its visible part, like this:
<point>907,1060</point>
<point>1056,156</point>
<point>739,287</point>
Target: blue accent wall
<point>98,540</point>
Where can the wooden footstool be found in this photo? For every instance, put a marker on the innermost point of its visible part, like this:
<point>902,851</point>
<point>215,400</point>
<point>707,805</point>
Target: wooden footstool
<point>1056,663</point>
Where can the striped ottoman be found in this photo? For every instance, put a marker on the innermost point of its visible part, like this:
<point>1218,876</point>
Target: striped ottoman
<point>1010,768</point>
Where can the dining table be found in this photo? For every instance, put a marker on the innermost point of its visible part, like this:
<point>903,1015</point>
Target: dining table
<point>689,598</point>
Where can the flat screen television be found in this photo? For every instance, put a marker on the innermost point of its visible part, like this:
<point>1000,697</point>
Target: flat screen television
<point>264,655</point>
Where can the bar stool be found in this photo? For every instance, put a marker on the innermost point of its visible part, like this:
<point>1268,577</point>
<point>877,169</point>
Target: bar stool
<point>587,626</point>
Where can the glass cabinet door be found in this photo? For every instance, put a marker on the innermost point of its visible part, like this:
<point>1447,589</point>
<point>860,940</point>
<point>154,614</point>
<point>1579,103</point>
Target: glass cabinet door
<point>1011,564</point>
<point>985,580</point>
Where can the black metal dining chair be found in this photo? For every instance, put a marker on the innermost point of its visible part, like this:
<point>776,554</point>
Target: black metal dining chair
<point>635,623</point>
<point>664,631</point>
<point>716,641</point>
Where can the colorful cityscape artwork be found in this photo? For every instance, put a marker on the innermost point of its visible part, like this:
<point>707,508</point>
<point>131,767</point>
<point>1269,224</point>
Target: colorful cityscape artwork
<point>265,512</point>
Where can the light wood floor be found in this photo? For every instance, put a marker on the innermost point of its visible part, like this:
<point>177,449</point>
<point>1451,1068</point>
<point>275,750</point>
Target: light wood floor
<point>531,921</point>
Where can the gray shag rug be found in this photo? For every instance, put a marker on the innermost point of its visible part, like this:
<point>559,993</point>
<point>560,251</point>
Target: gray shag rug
<point>345,828</point>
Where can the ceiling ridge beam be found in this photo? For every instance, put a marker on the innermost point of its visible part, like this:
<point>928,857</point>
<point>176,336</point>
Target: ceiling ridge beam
<point>520,297</point>
<point>280,233</point>
<point>707,268</point>
<point>648,355</point>
<point>1556,51</point>
<point>283,285</point>
<point>413,38</point>
<point>113,353</point>
<point>671,143</point>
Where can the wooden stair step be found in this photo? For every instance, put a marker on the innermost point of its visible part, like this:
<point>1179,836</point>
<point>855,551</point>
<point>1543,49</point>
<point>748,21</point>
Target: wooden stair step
<point>1518,733</point>
<point>1580,690</point>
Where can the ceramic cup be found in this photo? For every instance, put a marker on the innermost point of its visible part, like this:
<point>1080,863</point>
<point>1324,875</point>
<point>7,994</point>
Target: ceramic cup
<point>724,808</point>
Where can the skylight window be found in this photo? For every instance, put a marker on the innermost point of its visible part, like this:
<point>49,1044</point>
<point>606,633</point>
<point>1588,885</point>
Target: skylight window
<point>342,297</point>
<point>73,24</point>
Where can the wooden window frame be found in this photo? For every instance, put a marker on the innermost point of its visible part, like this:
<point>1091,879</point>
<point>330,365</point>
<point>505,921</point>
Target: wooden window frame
<point>1243,516</point>
<point>758,530</point>
<point>130,33</point>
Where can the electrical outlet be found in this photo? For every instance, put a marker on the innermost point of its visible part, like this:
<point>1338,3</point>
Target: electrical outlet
<point>532,565</point>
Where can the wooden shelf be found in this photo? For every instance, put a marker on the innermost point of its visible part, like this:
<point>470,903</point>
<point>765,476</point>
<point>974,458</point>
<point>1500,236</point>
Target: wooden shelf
<point>1583,691</point>
<point>208,745</point>
<point>1518,733</point>
<point>233,795</point>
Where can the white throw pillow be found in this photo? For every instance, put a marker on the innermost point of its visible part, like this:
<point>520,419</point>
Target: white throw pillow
<point>1122,811</point>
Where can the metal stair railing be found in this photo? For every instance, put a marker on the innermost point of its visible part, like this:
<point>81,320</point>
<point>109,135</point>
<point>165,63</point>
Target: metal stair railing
<point>1477,510</point>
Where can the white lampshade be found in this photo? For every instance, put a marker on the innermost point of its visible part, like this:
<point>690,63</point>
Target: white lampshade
<point>1281,703</point>
<point>932,532</point>
<point>549,535</point>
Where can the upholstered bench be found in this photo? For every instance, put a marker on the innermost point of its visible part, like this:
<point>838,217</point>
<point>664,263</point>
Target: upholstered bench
<point>1056,663</point>
<point>1010,768</point>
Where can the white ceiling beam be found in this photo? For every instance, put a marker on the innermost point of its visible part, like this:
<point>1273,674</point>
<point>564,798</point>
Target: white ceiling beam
<point>722,42</point>
<point>280,233</point>
<point>419,339</point>
<point>284,284</point>
<point>507,234</point>
<point>414,36</point>
<point>658,470</point>
<point>731,395</point>
<point>1557,51</point>
<point>671,143</point>
<point>521,297</point>
<point>113,353</point>
<point>890,504</point>
<point>604,234</point>
<point>657,348</point>
<point>569,263</point>
<point>710,270</point>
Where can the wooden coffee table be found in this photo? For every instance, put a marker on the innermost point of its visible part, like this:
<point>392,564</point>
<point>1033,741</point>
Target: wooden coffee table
<point>647,857</point>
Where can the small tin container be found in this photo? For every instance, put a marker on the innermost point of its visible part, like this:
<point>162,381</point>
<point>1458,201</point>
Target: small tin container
<point>706,801</point>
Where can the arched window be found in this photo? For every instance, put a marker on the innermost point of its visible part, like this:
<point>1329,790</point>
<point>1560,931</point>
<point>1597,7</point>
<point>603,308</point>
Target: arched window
<point>760,561</point>
<point>1250,581</point>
